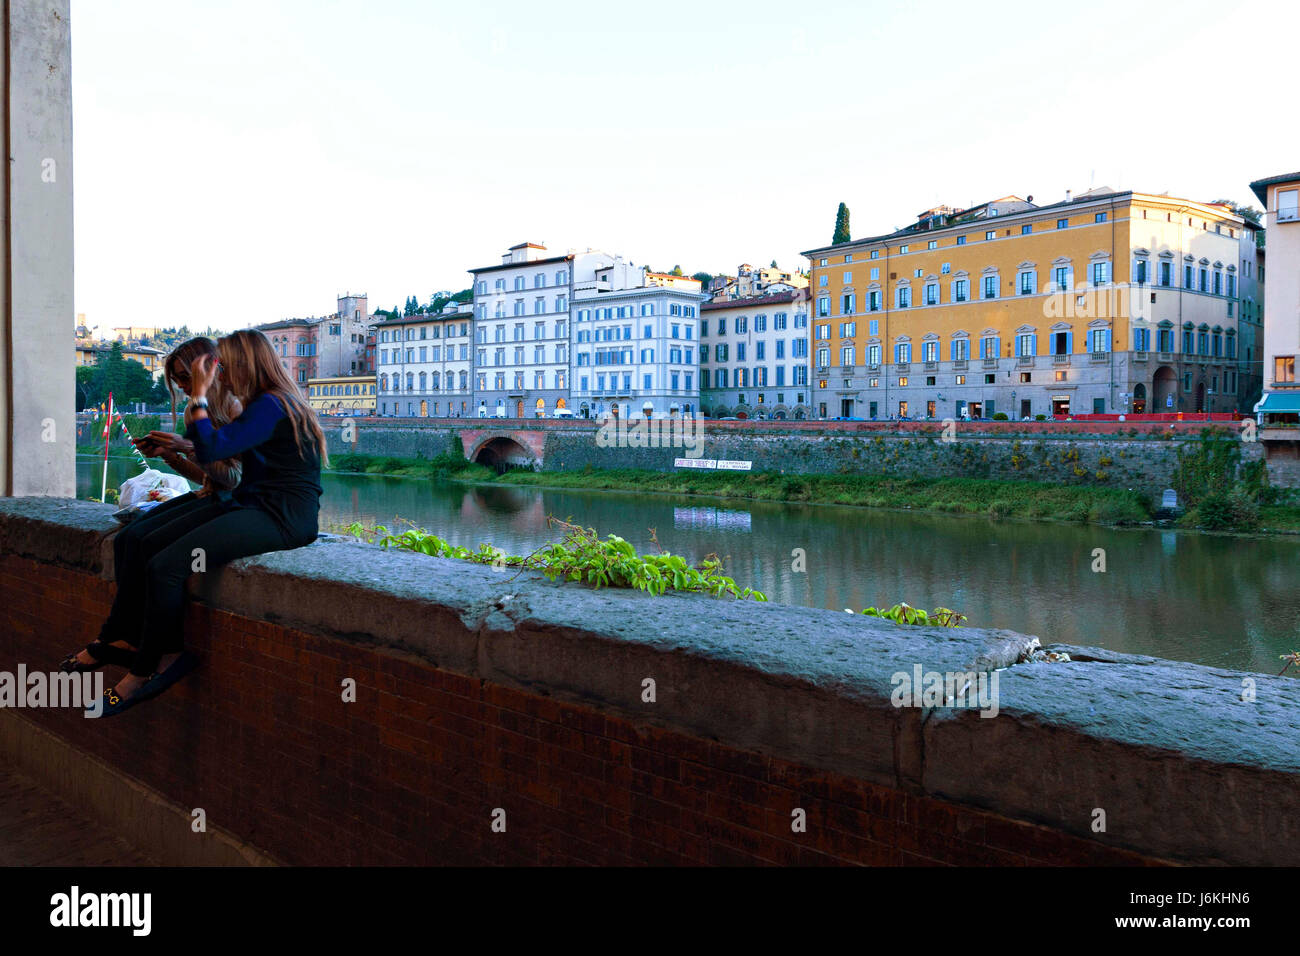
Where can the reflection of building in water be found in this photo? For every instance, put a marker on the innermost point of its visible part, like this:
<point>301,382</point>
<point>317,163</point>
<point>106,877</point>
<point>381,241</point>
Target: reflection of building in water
<point>685,519</point>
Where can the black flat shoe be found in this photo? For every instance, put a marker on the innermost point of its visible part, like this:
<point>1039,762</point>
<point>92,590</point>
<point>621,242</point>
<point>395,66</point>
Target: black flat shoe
<point>111,704</point>
<point>102,653</point>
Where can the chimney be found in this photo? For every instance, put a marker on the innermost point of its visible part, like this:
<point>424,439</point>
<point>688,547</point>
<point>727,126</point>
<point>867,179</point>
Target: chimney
<point>1068,194</point>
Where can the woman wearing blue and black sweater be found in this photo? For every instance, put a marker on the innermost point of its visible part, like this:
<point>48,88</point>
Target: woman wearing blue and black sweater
<point>274,508</point>
<point>138,541</point>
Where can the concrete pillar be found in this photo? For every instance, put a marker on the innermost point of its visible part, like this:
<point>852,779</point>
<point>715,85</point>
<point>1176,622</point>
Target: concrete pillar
<point>37,356</point>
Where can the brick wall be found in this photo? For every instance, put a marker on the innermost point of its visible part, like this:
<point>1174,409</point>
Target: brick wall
<point>411,773</point>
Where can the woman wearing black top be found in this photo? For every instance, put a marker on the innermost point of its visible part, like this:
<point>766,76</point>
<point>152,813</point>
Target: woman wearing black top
<point>274,508</point>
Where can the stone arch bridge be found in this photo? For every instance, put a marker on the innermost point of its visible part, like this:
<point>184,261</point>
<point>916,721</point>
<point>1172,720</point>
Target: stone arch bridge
<point>504,448</point>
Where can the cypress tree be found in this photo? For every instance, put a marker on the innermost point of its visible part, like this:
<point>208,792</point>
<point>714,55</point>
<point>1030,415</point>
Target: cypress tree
<point>841,226</point>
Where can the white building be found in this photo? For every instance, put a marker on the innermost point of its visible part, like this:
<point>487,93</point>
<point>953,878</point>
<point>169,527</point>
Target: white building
<point>749,282</point>
<point>754,357</point>
<point>635,336</point>
<point>521,330</point>
<point>423,364</point>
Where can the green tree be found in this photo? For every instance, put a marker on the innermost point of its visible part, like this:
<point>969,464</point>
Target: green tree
<point>129,381</point>
<point>774,265</point>
<point>440,303</point>
<point>842,233</point>
<point>677,271</point>
<point>159,395</point>
<point>87,394</point>
<point>704,279</point>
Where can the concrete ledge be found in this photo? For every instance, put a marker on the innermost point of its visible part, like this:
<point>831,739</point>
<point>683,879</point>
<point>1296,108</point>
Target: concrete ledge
<point>1182,768</point>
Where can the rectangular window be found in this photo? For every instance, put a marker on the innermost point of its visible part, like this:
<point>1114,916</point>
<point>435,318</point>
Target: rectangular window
<point>1288,205</point>
<point>1026,230</point>
<point>1062,224</point>
<point>1166,273</point>
<point>990,287</point>
<point>1100,217</point>
<point>1284,367</point>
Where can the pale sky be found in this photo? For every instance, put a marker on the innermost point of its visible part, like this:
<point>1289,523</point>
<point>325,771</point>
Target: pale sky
<point>241,161</point>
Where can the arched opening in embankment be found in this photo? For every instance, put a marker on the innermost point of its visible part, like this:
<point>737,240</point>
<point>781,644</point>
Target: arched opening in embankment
<point>503,454</point>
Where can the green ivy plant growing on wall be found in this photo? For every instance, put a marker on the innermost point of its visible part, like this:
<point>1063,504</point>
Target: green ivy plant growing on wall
<point>582,556</point>
<point>906,614</point>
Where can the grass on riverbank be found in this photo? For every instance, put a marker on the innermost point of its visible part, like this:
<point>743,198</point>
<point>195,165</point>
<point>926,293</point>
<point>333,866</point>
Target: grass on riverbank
<point>996,499</point>
<point>452,466</point>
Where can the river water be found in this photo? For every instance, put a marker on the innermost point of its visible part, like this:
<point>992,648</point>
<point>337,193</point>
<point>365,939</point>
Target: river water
<point>1223,601</point>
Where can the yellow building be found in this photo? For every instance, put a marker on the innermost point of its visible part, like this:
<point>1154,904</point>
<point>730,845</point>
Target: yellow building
<point>151,358</point>
<point>343,395</point>
<point>1105,302</point>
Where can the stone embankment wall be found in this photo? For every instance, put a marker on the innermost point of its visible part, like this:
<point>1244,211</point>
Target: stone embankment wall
<point>1142,457</point>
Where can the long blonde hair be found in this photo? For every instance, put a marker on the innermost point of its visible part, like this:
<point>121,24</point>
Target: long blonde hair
<point>221,403</point>
<point>253,369</point>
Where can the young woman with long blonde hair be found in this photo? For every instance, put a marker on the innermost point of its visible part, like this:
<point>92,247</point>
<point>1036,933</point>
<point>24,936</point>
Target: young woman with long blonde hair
<point>275,507</point>
<point>138,541</point>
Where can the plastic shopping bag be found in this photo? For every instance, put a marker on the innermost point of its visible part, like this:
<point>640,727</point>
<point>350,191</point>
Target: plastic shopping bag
<point>152,485</point>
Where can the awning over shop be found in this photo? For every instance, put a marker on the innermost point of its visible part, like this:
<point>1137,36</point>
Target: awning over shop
<point>1276,403</point>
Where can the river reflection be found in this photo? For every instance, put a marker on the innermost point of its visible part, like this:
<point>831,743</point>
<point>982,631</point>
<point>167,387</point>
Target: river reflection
<point>1222,601</point>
